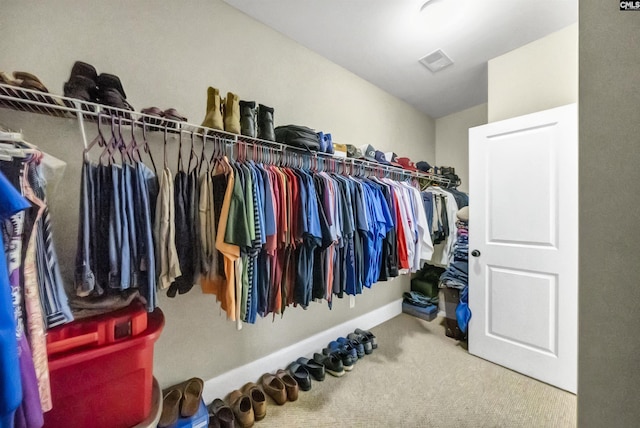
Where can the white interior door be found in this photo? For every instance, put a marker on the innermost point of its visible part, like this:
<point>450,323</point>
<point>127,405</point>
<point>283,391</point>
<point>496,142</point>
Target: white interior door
<point>523,279</point>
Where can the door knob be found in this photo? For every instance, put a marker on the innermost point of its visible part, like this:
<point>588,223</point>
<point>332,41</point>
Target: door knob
<point>475,253</point>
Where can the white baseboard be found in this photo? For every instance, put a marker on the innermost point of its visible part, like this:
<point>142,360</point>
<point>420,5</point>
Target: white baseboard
<point>220,386</point>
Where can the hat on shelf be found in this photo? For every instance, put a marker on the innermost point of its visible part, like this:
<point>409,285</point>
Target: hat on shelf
<point>463,214</point>
<point>380,158</point>
<point>407,164</point>
<point>369,153</point>
<point>354,152</point>
<point>423,166</point>
<point>392,158</point>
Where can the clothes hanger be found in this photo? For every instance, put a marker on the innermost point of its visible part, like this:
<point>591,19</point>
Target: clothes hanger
<point>146,148</point>
<point>192,155</point>
<point>106,157</point>
<point>180,162</point>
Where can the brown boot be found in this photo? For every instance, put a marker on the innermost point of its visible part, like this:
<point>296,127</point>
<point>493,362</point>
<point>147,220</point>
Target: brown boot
<point>213,119</point>
<point>232,113</point>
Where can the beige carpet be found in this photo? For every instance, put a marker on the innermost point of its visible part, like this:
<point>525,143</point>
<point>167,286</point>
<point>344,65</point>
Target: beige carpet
<point>418,377</point>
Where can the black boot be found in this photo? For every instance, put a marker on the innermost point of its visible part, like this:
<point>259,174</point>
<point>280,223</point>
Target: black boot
<point>248,114</point>
<point>265,123</point>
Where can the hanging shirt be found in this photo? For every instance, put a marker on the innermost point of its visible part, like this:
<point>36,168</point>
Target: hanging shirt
<point>11,202</point>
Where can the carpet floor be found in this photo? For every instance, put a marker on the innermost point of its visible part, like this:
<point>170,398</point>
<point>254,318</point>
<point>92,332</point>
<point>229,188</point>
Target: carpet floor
<point>418,377</point>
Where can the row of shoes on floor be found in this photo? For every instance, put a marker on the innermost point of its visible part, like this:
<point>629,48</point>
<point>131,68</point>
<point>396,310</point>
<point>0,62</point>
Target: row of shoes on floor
<point>247,405</point>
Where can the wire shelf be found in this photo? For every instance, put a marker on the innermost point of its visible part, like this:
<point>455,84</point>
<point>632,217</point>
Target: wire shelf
<point>32,101</point>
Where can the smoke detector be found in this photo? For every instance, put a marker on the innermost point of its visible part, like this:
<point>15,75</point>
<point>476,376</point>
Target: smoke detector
<point>436,61</point>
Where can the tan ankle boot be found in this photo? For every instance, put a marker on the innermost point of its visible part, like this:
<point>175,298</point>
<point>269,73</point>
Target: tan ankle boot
<point>213,119</point>
<point>232,113</point>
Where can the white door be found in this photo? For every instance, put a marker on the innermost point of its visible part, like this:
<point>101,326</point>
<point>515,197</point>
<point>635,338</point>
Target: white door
<point>523,235</point>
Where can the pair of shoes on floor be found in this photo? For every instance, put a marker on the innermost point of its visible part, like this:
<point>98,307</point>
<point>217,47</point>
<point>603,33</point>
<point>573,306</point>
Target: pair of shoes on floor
<point>281,387</point>
<point>366,333</point>
<point>180,400</point>
<point>85,84</point>
<point>158,116</point>
<point>303,369</point>
<point>221,415</point>
<point>347,354</point>
<point>244,407</point>
<point>332,363</point>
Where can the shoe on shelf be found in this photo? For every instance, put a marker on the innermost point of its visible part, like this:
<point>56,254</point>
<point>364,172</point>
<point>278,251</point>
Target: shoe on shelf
<point>248,119</point>
<point>266,127</point>
<point>170,407</point>
<point>301,375</point>
<point>328,143</point>
<point>371,336</point>
<point>232,113</point>
<point>274,388</point>
<point>364,340</point>
<point>332,363</point>
<point>222,413</point>
<point>290,384</point>
<point>258,400</point>
<point>82,83</point>
<point>213,117</point>
<point>242,408</point>
<point>359,347</point>
<point>314,368</point>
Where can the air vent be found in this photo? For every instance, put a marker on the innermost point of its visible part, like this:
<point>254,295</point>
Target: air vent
<point>436,61</point>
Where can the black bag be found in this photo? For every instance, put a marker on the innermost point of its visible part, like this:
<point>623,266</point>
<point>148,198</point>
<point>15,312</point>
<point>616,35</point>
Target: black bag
<point>298,136</point>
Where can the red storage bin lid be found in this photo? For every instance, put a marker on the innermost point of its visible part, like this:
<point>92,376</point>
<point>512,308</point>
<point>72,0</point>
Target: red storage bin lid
<point>101,330</point>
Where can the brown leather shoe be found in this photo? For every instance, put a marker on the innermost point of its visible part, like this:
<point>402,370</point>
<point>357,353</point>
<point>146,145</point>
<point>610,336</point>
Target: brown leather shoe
<point>258,400</point>
<point>170,407</point>
<point>242,409</point>
<point>274,388</point>
<point>222,413</point>
<point>191,396</point>
<point>291,385</point>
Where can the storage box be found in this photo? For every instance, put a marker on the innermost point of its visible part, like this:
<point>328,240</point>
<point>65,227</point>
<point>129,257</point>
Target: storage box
<point>108,386</point>
<point>426,287</point>
<point>428,314</point>
<point>451,300</point>
<point>199,420</point>
<point>100,330</point>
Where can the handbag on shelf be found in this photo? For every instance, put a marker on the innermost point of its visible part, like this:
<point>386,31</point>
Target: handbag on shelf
<point>298,136</point>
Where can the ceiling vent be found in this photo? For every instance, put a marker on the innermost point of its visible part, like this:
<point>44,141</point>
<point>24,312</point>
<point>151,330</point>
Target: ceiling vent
<point>436,61</point>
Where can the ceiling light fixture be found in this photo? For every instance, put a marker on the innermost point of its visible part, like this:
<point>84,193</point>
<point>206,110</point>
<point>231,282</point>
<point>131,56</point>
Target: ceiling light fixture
<point>428,3</point>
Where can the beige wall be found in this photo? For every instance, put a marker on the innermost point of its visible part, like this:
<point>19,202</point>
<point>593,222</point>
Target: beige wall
<point>452,140</point>
<point>609,295</point>
<point>535,77</point>
<point>166,55</point>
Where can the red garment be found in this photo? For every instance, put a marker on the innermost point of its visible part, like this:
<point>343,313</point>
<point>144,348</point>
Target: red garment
<point>403,257</point>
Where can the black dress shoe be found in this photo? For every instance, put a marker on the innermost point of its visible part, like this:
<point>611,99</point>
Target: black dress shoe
<point>314,368</point>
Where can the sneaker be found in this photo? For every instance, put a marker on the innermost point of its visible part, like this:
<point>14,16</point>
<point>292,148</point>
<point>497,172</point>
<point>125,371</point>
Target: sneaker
<point>364,340</point>
<point>332,363</point>
<point>359,347</point>
<point>348,360</point>
<point>336,344</point>
<point>371,336</point>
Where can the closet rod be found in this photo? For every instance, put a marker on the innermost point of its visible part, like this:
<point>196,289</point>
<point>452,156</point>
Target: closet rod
<point>33,101</point>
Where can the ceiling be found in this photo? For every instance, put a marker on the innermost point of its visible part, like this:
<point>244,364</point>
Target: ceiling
<point>382,40</point>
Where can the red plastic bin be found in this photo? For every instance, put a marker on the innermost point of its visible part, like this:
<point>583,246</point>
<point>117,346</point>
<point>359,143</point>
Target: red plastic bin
<point>105,387</point>
<point>99,330</point>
